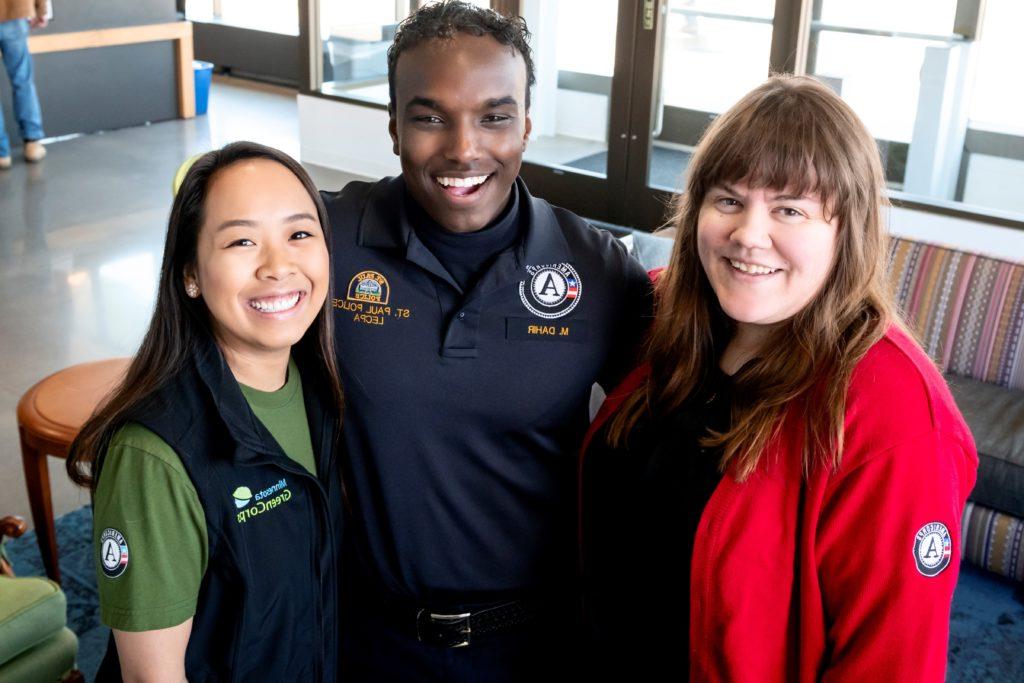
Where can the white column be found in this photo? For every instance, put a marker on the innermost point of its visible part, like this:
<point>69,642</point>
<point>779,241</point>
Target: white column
<point>937,145</point>
<point>542,20</point>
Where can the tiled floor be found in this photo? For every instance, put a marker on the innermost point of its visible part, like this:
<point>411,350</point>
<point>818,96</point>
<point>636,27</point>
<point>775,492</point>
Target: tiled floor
<point>81,236</point>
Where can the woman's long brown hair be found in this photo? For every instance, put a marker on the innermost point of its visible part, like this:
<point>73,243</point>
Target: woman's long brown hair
<point>179,322</point>
<point>794,134</point>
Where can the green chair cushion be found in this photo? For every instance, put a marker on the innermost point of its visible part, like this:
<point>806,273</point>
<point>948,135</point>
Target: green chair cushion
<point>32,610</point>
<point>47,662</point>
<point>996,418</point>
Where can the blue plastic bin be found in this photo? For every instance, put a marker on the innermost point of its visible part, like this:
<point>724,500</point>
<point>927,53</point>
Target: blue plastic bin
<point>203,76</point>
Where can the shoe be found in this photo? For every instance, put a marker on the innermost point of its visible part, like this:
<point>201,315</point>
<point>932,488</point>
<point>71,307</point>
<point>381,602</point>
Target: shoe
<point>34,151</point>
<point>5,162</point>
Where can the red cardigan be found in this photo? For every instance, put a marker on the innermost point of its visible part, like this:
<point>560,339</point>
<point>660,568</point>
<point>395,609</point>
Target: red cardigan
<point>844,576</point>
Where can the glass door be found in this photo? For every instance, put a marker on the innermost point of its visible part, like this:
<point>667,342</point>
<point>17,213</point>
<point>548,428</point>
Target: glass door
<point>701,57</point>
<point>626,87</point>
<point>582,51</point>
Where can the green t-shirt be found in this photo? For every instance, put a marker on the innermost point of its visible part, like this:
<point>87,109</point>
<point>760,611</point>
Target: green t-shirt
<point>149,529</point>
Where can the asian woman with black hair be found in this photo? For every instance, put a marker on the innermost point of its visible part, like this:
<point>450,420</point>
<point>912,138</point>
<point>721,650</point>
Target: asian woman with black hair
<point>217,494</point>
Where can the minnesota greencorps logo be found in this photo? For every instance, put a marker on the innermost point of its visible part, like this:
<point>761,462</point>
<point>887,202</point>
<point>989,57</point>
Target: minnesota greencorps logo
<point>242,496</point>
<point>267,499</point>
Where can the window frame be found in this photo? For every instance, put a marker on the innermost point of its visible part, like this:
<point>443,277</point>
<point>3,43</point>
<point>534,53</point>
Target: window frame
<point>796,23</point>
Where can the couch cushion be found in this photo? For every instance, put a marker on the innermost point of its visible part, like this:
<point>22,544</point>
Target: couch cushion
<point>653,251</point>
<point>993,541</point>
<point>967,310</point>
<point>48,661</point>
<point>996,418</point>
<point>32,610</point>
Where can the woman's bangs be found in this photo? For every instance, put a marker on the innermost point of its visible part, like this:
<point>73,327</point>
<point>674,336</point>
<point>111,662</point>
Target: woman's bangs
<point>777,150</point>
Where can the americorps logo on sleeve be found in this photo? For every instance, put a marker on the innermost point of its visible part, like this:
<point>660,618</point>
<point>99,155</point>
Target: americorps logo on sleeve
<point>933,548</point>
<point>113,553</point>
<point>552,291</point>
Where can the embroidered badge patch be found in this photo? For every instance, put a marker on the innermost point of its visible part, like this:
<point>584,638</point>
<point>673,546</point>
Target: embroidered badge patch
<point>933,548</point>
<point>369,286</point>
<point>113,553</point>
<point>552,291</point>
<point>252,504</point>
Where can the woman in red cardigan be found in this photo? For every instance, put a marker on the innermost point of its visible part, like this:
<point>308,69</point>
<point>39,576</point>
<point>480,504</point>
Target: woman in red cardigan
<point>776,493</point>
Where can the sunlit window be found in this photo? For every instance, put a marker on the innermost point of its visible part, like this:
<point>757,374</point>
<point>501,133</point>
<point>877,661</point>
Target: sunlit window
<point>998,101</point>
<point>714,52</point>
<point>273,16</point>
<point>354,38</point>
<point>586,31</point>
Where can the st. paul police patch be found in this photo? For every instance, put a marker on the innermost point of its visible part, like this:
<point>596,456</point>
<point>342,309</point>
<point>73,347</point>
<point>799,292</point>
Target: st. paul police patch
<point>933,548</point>
<point>113,553</point>
<point>552,291</point>
<point>369,286</point>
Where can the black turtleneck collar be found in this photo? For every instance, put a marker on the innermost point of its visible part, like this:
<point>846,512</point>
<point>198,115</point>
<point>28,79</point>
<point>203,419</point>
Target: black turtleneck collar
<point>466,255</point>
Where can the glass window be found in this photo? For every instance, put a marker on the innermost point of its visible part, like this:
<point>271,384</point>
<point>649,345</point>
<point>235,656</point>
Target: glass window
<point>880,75</point>
<point>949,126</point>
<point>906,16</point>
<point>273,16</point>
<point>582,25</point>
<point>882,84</point>
<point>996,104</point>
<point>712,61</point>
<point>764,9</point>
<point>355,36</point>
<point>574,51</point>
<point>713,53</point>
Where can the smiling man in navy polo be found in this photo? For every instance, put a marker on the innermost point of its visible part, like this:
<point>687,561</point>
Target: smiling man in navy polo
<point>472,320</point>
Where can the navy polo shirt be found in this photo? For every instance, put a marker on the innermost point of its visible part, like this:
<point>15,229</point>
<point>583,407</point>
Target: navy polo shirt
<point>465,410</point>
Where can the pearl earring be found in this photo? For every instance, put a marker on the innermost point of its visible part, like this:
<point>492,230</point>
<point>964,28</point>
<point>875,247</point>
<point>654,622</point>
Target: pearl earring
<point>192,289</point>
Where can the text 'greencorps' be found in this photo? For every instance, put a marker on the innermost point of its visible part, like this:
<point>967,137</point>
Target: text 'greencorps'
<point>262,506</point>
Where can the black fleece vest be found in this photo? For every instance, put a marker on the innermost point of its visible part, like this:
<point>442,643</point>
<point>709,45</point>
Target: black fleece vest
<point>268,603</point>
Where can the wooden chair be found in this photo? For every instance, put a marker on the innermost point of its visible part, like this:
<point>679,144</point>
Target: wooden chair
<point>49,417</point>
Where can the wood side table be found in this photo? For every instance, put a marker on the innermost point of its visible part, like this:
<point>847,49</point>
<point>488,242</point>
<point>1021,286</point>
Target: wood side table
<point>50,414</point>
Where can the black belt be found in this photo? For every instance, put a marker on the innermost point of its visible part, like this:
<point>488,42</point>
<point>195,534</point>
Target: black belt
<point>455,628</point>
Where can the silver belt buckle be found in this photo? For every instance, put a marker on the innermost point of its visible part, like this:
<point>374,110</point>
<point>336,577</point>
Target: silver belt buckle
<point>443,630</point>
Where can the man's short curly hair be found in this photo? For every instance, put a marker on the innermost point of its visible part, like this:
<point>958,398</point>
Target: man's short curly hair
<point>442,20</point>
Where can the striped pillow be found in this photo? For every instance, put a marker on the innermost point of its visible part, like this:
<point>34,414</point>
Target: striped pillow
<point>967,310</point>
<point>993,541</point>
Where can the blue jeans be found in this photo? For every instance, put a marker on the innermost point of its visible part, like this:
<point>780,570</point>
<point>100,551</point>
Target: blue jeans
<point>18,63</point>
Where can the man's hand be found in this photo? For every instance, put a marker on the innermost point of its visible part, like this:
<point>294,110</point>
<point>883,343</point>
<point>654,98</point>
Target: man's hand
<point>38,22</point>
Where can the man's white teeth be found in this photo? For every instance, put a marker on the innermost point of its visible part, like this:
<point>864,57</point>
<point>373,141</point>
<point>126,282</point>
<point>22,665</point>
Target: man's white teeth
<point>276,304</point>
<point>751,268</point>
<point>462,182</point>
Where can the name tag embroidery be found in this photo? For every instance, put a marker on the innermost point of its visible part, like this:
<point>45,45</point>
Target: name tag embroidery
<point>531,329</point>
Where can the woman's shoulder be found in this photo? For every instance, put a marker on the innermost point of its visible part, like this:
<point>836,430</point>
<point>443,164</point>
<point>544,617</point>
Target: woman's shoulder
<point>135,447</point>
<point>897,393</point>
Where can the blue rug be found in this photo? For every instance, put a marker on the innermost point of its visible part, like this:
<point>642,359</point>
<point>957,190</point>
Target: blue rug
<point>986,630</point>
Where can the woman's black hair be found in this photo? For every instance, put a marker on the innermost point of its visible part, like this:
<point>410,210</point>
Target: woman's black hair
<point>179,322</point>
<point>442,20</point>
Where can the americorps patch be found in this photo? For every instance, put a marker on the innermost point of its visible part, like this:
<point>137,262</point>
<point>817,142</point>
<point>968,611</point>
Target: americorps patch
<point>933,548</point>
<point>113,553</point>
<point>552,290</point>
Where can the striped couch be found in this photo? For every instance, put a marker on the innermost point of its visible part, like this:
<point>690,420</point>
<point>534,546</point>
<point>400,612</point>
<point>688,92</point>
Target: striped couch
<point>968,313</point>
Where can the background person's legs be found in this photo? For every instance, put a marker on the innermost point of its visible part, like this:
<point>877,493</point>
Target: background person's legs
<point>18,64</point>
<point>5,143</point>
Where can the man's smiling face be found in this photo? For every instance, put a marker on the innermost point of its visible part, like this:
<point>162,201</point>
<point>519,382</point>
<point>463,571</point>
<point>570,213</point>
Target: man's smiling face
<point>460,127</point>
